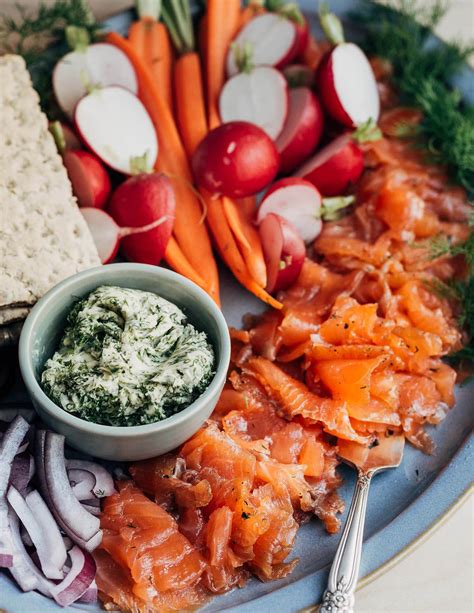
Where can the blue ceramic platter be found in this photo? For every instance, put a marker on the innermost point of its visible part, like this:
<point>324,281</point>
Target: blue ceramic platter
<point>403,503</point>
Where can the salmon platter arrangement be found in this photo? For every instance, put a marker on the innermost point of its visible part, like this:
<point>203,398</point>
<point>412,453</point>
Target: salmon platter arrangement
<point>235,245</point>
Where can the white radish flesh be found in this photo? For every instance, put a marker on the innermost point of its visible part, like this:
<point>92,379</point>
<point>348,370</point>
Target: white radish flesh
<point>116,126</point>
<point>107,234</point>
<point>297,201</point>
<point>354,84</point>
<point>259,97</point>
<point>100,65</point>
<point>272,38</point>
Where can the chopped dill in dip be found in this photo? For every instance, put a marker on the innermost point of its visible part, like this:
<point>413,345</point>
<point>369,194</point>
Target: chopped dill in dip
<point>127,357</point>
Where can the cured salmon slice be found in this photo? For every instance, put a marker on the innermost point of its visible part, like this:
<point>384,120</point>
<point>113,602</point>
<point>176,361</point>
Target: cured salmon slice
<point>143,539</point>
<point>294,399</point>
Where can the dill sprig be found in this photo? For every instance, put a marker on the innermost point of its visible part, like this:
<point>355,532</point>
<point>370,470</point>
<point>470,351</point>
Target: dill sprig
<point>423,73</point>
<point>41,40</point>
<point>460,290</point>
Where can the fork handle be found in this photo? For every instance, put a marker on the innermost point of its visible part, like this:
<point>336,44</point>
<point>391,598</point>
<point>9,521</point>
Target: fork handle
<point>339,594</point>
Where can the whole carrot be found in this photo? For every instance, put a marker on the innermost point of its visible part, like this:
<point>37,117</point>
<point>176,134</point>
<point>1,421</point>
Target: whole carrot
<point>177,260</point>
<point>188,86</point>
<point>247,237</point>
<point>189,230</point>
<point>229,250</point>
<point>222,23</point>
<point>151,40</point>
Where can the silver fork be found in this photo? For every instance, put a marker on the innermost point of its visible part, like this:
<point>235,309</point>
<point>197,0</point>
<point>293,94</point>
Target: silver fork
<point>387,453</point>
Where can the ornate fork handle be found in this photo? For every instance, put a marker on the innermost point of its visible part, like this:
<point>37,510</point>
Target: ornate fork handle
<point>339,595</point>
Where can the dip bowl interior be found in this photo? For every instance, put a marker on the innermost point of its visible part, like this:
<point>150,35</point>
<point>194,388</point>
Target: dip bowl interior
<point>44,328</point>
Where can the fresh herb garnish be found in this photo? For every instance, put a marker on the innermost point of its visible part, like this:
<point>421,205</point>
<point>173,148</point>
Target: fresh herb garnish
<point>41,40</point>
<point>461,290</point>
<point>422,73</point>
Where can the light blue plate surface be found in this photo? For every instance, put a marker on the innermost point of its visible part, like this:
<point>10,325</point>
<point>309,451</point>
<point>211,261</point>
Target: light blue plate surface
<point>403,503</point>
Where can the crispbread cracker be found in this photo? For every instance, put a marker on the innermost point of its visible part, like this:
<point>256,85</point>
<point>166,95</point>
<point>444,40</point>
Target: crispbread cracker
<point>10,315</point>
<point>43,236</point>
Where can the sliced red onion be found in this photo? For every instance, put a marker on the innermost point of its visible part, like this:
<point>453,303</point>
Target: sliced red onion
<point>77,522</point>
<point>9,414</point>
<point>43,544</point>
<point>78,579</point>
<point>11,442</point>
<point>24,570</point>
<point>48,527</point>
<point>90,595</point>
<point>104,483</point>
<point>25,537</point>
<point>82,483</point>
<point>23,468</point>
<point>91,509</point>
<point>9,445</point>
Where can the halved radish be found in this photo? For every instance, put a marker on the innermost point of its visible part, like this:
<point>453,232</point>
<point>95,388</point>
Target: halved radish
<point>236,159</point>
<point>64,137</point>
<point>284,252</point>
<point>97,65</point>
<point>90,181</point>
<point>302,131</point>
<point>116,126</point>
<point>345,79</point>
<point>107,234</point>
<point>335,166</point>
<point>273,40</point>
<point>139,201</point>
<point>259,96</point>
<point>297,201</point>
<point>298,75</point>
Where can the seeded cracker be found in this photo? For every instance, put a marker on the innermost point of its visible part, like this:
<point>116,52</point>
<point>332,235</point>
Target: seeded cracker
<point>43,237</point>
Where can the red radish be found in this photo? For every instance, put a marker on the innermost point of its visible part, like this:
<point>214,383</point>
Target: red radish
<point>284,252</point>
<point>302,131</point>
<point>332,168</point>
<point>302,36</point>
<point>298,75</point>
<point>346,80</point>
<point>116,126</point>
<point>259,96</point>
<point>300,203</point>
<point>297,201</point>
<point>90,66</point>
<point>64,137</point>
<point>107,234</point>
<point>89,179</point>
<point>273,40</point>
<point>236,159</point>
<point>141,200</point>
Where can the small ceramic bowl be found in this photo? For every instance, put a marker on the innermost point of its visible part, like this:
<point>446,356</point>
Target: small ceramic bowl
<point>44,327</point>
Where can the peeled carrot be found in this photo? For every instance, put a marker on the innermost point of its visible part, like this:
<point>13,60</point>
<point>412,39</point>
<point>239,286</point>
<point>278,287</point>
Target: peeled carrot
<point>314,52</point>
<point>177,260</point>
<point>230,253</point>
<point>189,230</point>
<point>137,35</point>
<point>159,57</point>
<point>248,239</point>
<point>222,23</point>
<point>189,96</point>
<point>249,12</point>
<point>150,39</point>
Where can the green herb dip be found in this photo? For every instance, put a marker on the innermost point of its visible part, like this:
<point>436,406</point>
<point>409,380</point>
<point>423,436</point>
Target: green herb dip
<point>127,357</point>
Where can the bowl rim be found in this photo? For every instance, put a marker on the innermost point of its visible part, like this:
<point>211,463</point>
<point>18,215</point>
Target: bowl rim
<point>101,274</point>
